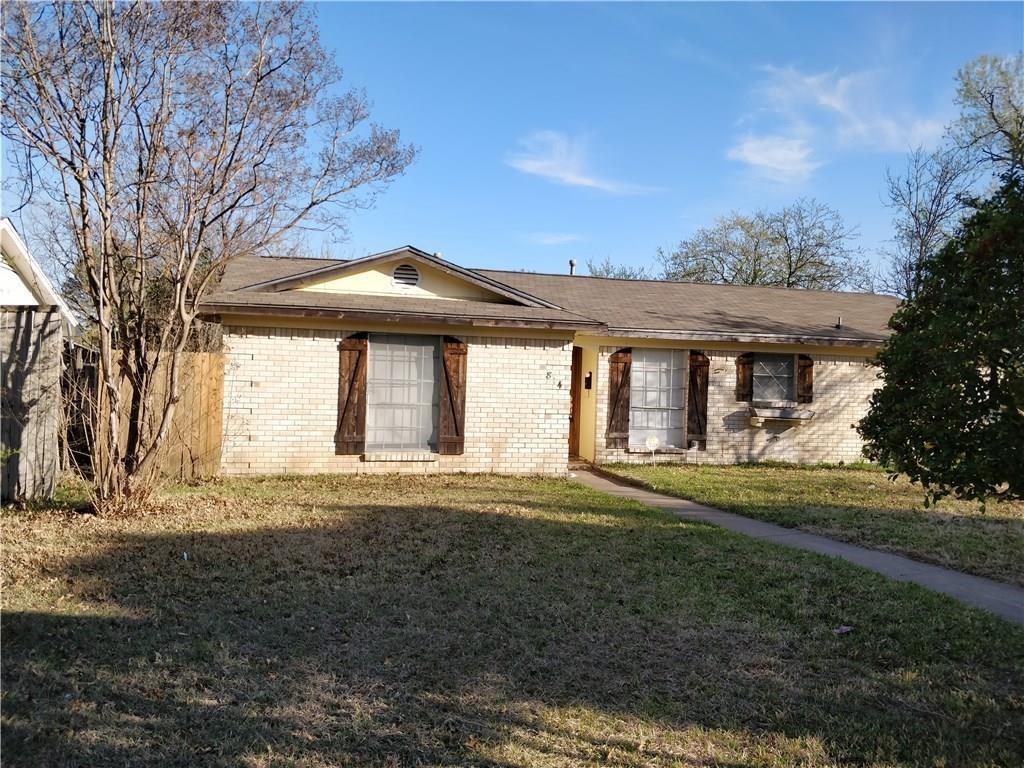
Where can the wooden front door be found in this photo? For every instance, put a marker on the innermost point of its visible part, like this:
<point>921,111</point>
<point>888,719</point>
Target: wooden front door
<point>575,386</point>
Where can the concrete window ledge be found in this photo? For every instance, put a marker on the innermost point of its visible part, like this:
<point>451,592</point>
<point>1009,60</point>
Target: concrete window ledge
<point>401,456</point>
<point>660,451</point>
<point>760,414</point>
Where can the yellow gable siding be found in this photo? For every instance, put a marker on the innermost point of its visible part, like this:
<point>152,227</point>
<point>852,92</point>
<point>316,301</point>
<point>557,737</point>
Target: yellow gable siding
<point>433,284</point>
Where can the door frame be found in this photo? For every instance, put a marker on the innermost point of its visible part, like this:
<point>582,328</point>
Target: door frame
<point>575,395</point>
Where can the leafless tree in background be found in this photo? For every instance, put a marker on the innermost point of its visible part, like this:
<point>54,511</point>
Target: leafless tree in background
<point>804,245</point>
<point>608,268</point>
<point>928,197</point>
<point>990,94</point>
<point>159,141</point>
<point>927,200</point>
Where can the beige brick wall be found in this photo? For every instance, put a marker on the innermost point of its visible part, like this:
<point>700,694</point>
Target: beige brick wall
<point>842,387</point>
<point>281,406</point>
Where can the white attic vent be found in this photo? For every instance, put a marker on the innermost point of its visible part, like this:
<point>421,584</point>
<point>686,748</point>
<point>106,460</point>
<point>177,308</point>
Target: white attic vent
<point>406,276</point>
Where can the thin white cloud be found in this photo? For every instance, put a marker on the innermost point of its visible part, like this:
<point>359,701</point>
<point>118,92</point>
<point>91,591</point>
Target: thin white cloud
<point>802,118</point>
<point>854,103</point>
<point>553,238</point>
<point>779,158</point>
<point>559,158</point>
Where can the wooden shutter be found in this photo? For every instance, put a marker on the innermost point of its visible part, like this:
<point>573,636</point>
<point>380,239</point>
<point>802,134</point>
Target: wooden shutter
<point>697,401</point>
<point>451,428</point>
<point>804,379</point>
<point>745,377</point>
<point>351,435</point>
<point>620,366</point>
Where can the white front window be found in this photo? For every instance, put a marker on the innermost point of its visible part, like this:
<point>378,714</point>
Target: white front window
<point>656,405</point>
<point>402,393</point>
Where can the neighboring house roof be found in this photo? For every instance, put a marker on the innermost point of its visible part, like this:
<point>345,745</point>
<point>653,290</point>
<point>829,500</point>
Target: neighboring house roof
<point>607,306</point>
<point>22,281</point>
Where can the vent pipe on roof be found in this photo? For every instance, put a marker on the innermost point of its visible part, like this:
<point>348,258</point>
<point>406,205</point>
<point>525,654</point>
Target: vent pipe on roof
<point>438,255</point>
<point>839,322</point>
<point>572,266</point>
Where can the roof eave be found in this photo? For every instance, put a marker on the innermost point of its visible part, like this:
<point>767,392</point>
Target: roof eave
<point>747,338</point>
<point>216,308</point>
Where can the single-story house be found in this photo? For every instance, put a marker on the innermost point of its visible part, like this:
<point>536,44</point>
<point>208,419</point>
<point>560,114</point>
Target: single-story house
<point>403,361</point>
<point>34,320</point>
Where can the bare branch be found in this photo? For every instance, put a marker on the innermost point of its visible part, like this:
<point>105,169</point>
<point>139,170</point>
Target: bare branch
<point>162,140</point>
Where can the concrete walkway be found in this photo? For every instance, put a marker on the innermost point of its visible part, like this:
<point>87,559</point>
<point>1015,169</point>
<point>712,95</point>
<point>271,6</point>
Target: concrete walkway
<point>1001,599</point>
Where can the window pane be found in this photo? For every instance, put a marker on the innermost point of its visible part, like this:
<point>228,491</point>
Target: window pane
<point>773,377</point>
<point>656,397</point>
<point>403,394</point>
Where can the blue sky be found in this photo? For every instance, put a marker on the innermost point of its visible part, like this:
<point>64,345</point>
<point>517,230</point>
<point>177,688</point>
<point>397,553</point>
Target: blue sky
<point>574,130</point>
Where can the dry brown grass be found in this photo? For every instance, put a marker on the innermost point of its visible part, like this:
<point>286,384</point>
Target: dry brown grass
<point>475,620</point>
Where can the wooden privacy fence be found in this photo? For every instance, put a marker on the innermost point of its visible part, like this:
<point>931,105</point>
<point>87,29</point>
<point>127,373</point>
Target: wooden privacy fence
<point>193,446</point>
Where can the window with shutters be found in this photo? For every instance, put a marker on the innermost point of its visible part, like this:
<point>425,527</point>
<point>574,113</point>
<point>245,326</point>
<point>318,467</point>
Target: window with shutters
<point>697,401</point>
<point>656,405</point>
<point>773,378</point>
<point>402,393</point>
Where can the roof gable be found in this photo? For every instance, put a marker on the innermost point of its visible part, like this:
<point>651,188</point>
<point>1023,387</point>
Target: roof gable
<point>330,278</point>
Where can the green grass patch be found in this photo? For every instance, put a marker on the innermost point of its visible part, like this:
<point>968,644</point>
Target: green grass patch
<point>476,621</point>
<point>857,504</point>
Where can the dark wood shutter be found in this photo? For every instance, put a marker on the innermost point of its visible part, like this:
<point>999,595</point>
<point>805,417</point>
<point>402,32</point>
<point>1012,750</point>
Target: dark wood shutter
<point>804,379</point>
<point>620,366</point>
<point>451,439</point>
<point>351,435</point>
<point>745,377</point>
<point>697,400</point>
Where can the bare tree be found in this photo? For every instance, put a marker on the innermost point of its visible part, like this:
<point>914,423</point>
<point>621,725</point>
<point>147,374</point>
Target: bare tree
<point>814,248</point>
<point>737,249</point>
<point>805,245</point>
<point>990,94</point>
<point>608,268</point>
<point>927,200</point>
<point>162,140</point>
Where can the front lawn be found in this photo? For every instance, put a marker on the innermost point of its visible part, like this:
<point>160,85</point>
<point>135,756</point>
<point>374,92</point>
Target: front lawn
<point>860,505</point>
<point>476,620</point>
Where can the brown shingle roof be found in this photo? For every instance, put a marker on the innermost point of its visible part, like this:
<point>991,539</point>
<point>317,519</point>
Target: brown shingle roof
<point>648,308</point>
<point>252,270</point>
<point>700,310</point>
<point>232,295</point>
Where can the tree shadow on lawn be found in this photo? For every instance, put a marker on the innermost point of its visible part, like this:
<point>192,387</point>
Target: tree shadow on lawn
<point>447,635</point>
